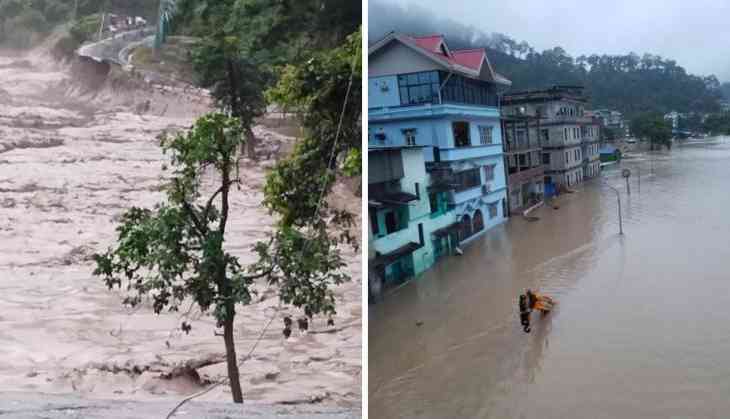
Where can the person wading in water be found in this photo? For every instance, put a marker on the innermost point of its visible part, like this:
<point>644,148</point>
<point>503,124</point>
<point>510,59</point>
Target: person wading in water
<point>533,301</point>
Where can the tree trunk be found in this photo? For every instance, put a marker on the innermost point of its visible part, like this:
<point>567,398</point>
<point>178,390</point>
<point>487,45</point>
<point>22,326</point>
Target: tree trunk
<point>225,284</point>
<point>250,144</point>
<point>231,360</point>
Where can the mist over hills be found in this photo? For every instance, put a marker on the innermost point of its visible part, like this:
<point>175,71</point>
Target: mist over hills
<point>631,83</point>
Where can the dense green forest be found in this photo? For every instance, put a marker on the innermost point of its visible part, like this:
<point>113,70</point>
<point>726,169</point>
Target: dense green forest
<point>24,22</point>
<point>631,83</point>
<point>725,90</point>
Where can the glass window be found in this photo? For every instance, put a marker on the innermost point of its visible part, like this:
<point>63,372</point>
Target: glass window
<point>545,135</point>
<point>434,200</point>
<point>489,172</point>
<point>374,223</point>
<point>485,135</point>
<point>467,179</point>
<point>419,88</point>
<point>410,136</point>
<point>493,210</point>
<point>546,158</point>
<point>461,134</point>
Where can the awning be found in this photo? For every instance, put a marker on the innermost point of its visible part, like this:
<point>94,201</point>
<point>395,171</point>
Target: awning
<point>391,199</point>
<point>445,231</point>
<point>388,258</point>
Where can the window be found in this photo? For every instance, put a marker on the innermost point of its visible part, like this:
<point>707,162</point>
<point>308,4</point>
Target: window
<point>493,210</point>
<point>459,89</point>
<point>520,138</point>
<point>489,172</point>
<point>434,199</point>
<point>374,223</point>
<point>410,136</point>
<point>546,158</point>
<point>461,134</point>
<point>522,160</point>
<point>391,223</point>
<point>420,234</point>
<point>567,157</point>
<point>545,135</point>
<point>485,135</point>
<point>416,88</point>
<point>418,191</point>
<point>565,133</point>
<point>467,179</point>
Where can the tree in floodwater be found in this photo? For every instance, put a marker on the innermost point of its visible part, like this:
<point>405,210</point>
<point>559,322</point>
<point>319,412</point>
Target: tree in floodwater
<point>655,128</point>
<point>234,81</point>
<point>175,251</point>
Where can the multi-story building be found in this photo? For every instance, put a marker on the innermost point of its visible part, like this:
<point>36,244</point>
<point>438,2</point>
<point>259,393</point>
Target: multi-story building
<point>610,119</point>
<point>439,108</point>
<point>523,160</point>
<point>569,138</point>
<point>398,209</point>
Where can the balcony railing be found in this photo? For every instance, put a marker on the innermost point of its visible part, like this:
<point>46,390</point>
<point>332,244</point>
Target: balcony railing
<point>568,119</point>
<point>521,176</point>
<point>512,146</point>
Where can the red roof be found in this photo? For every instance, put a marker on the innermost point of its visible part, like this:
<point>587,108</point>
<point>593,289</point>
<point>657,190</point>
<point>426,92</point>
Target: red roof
<point>430,43</point>
<point>470,58</point>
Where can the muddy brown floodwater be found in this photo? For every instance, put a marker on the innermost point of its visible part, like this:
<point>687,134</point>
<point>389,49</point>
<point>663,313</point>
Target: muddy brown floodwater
<point>642,329</point>
<point>71,161</point>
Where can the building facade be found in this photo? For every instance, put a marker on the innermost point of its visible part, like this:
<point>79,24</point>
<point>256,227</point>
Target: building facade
<point>440,109</point>
<point>568,138</point>
<point>523,160</point>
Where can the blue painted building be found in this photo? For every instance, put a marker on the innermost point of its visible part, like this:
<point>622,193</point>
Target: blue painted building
<point>436,112</point>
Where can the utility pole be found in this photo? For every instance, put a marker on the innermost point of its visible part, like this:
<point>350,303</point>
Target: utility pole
<point>76,10</point>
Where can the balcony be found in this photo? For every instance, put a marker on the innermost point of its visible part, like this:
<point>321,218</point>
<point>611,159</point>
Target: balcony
<point>470,152</point>
<point>396,240</point>
<point>442,177</point>
<point>568,119</point>
<point>523,146</point>
<point>517,176</point>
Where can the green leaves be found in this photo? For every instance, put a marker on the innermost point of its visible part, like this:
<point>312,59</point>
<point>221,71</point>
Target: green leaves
<point>653,127</point>
<point>304,267</point>
<point>172,252</point>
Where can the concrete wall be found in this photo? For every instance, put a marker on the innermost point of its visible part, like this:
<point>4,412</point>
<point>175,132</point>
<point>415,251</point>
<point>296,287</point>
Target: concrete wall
<point>396,58</point>
<point>438,132</point>
<point>384,165</point>
<point>383,92</point>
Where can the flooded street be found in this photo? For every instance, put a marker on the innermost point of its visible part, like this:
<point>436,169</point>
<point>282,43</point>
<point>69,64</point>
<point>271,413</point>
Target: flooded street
<point>642,326</point>
<point>72,159</point>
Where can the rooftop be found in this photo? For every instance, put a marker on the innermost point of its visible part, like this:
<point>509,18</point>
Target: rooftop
<point>469,62</point>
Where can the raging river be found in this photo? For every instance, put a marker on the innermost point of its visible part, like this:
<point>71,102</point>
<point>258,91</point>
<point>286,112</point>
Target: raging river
<point>75,152</point>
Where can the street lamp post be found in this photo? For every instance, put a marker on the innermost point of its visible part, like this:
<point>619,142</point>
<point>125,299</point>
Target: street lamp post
<point>618,199</point>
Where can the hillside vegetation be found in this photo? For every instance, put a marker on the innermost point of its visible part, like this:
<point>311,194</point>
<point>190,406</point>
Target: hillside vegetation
<point>632,83</point>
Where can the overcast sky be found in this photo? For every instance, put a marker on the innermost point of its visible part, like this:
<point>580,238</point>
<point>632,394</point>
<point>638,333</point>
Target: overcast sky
<point>695,33</point>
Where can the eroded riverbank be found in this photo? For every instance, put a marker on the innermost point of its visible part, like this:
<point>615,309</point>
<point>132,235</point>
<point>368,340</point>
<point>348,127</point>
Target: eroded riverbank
<point>71,160</point>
